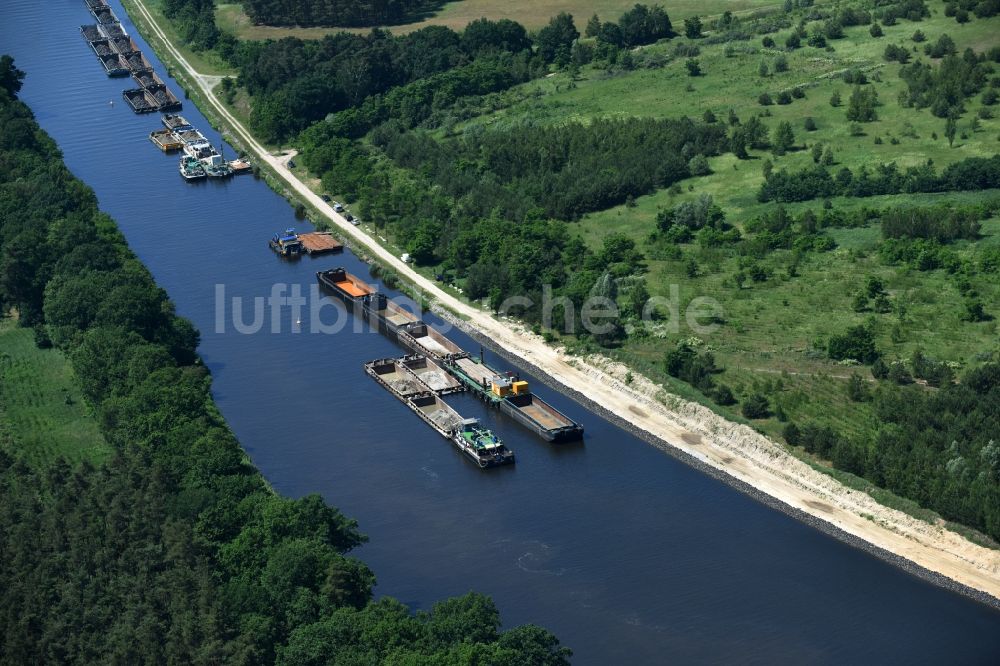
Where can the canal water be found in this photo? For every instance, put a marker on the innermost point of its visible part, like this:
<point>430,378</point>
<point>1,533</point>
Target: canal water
<point>628,555</point>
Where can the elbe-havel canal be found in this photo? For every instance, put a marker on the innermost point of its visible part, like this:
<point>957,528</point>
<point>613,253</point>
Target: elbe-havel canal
<point>628,555</point>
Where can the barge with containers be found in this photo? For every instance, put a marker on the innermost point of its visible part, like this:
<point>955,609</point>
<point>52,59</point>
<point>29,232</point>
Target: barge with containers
<point>513,396</point>
<point>477,443</point>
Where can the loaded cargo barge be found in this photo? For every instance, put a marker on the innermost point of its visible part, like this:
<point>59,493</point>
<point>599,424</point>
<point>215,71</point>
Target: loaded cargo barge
<point>513,397</point>
<point>423,339</point>
<point>502,390</point>
<point>120,56</point>
<point>478,443</point>
<point>165,140</point>
<point>386,315</point>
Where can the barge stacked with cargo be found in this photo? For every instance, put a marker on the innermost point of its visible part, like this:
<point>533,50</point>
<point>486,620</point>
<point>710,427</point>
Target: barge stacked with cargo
<point>505,391</point>
<point>120,56</point>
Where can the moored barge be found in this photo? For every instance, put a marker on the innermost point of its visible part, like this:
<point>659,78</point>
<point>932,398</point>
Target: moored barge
<point>91,33</point>
<point>352,290</point>
<point>504,391</point>
<point>319,242</point>
<point>477,443</point>
<point>165,100</point>
<point>386,315</point>
<point>139,100</point>
<point>191,169</point>
<point>513,396</point>
<point>165,140</point>
<point>286,244</point>
<point>432,375</point>
<point>424,339</point>
<point>112,30</point>
<point>113,65</point>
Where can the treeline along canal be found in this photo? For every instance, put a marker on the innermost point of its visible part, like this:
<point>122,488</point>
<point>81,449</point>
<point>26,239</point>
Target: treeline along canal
<point>628,555</point>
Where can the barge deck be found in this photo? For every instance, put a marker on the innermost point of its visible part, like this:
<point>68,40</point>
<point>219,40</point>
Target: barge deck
<point>319,242</point>
<point>432,375</point>
<point>387,315</point>
<point>165,140</point>
<point>514,397</point>
<point>425,340</point>
<point>469,437</point>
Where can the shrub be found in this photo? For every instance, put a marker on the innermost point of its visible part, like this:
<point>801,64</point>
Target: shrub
<point>755,406</point>
<point>856,343</point>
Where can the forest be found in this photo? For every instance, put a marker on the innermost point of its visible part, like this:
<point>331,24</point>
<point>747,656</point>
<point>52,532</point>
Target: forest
<point>175,550</point>
<point>341,13</point>
<point>297,82</point>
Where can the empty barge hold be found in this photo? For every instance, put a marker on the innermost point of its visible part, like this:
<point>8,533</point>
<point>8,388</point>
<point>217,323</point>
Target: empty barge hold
<point>514,397</point>
<point>423,339</point>
<point>165,140</point>
<point>387,315</point>
<point>476,442</point>
<point>349,288</point>
<point>319,242</point>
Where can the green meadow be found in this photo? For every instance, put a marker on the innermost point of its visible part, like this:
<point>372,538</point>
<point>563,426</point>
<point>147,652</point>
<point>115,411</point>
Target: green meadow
<point>42,411</point>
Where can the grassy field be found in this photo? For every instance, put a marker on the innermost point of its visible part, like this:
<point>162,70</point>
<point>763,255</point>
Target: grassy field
<point>769,340</point>
<point>456,15</point>
<point>203,62</point>
<point>42,411</point>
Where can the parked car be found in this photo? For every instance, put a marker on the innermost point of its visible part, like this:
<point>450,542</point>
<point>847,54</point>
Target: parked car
<point>337,206</point>
<point>325,197</point>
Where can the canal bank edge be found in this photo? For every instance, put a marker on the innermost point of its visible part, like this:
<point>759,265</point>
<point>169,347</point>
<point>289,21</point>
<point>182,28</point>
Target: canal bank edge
<point>733,453</point>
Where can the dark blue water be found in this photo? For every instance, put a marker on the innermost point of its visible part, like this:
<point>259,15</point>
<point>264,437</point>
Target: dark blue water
<point>626,554</point>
